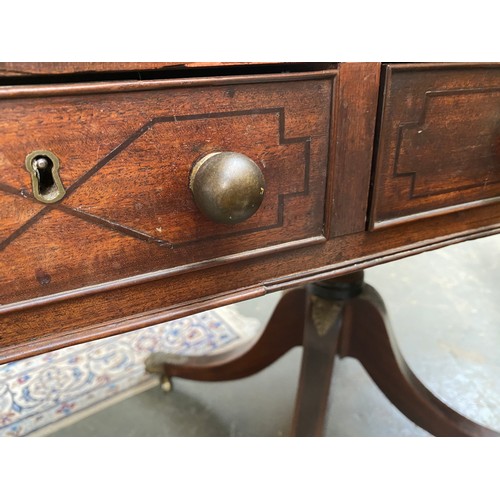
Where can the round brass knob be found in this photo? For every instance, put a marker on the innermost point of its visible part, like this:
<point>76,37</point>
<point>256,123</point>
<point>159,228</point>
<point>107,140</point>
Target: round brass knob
<point>227,187</point>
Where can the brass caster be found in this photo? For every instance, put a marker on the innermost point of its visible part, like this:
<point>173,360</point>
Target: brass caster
<point>166,383</point>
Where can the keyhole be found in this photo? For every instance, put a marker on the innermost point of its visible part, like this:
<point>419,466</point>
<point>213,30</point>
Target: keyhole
<point>44,169</point>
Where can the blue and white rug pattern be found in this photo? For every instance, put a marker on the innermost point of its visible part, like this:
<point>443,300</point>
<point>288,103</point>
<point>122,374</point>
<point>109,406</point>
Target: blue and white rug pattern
<point>39,391</point>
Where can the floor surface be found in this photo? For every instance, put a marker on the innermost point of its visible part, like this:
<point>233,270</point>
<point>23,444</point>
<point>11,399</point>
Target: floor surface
<point>445,310</point>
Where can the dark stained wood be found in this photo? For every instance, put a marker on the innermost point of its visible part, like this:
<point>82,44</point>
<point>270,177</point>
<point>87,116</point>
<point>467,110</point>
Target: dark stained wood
<point>19,342</point>
<point>127,248</point>
<point>352,146</point>
<point>366,336</point>
<point>87,314</point>
<point>283,332</point>
<point>61,68</point>
<point>126,163</point>
<point>353,324</point>
<point>13,215</point>
<point>85,88</point>
<point>320,348</point>
<point>439,142</point>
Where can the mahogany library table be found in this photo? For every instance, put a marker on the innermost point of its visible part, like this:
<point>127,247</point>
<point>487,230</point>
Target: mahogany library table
<point>135,193</point>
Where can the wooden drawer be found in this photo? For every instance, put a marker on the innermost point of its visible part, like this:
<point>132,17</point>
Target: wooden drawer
<point>126,151</point>
<point>439,142</point>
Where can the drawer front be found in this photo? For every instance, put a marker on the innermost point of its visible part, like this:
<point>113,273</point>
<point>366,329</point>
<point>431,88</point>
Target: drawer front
<point>439,142</point>
<point>126,152</point>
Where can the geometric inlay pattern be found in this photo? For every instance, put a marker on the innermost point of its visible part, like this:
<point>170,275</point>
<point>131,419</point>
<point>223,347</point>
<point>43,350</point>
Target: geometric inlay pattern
<point>472,128</point>
<point>122,164</point>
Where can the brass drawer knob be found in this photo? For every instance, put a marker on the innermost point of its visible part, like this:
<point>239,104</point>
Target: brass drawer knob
<point>227,187</point>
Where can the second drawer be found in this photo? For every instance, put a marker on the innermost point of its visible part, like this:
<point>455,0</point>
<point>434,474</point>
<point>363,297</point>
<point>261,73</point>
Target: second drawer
<point>439,141</point>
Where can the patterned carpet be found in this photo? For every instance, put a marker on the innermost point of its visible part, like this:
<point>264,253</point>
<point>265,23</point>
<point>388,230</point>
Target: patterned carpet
<point>50,389</point>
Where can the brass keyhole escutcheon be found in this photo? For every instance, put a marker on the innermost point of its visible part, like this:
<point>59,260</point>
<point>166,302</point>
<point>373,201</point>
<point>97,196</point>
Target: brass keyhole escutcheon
<point>43,167</point>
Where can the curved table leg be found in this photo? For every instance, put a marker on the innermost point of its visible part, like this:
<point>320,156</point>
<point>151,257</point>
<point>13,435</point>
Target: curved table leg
<point>341,317</point>
<point>367,336</point>
<point>283,332</point>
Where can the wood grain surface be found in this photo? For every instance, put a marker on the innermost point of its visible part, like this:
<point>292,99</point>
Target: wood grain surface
<point>125,162</point>
<point>64,68</point>
<point>353,147</point>
<point>97,264</point>
<point>439,147</point>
